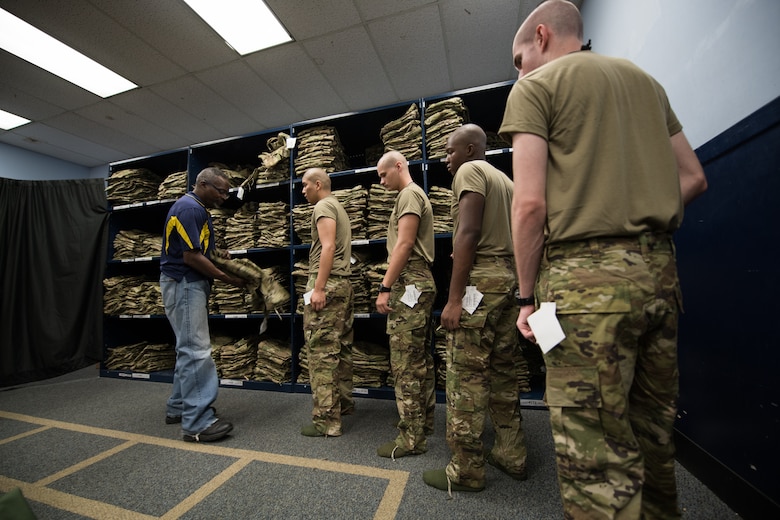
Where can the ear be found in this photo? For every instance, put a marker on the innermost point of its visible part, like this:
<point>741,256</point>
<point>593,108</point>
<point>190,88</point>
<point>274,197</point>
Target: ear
<point>542,37</point>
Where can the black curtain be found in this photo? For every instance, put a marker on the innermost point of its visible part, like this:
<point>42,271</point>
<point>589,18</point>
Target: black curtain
<point>53,251</point>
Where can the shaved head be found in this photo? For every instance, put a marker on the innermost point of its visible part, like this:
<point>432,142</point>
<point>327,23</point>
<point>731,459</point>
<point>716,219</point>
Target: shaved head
<point>560,16</point>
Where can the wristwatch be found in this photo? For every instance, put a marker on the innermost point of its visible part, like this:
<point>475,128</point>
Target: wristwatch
<point>382,288</point>
<point>522,302</point>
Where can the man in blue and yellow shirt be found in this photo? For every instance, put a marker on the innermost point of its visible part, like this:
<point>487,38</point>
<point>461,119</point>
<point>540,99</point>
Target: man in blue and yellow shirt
<point>186,273</point>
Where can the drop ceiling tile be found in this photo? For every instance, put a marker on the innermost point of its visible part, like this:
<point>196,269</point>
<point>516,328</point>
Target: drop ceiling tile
<point>65,145</point>
<point>289,71</point>
<point>152,107</point>
<point>412,49</point>
<point>478,37</point>
<point>194,97</point>
<point>250,94</point>
<point>350,63</point>
<point>372,9</point>
<point>306,19</point>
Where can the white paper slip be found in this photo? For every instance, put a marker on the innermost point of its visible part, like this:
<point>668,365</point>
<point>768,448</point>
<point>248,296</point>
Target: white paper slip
<point>411,296</point>
<point>471,299</point>
<point>545,326</point>
<point>307,297</point>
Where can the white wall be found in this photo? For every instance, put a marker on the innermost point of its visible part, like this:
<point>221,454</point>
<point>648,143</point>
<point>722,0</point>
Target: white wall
<point>21,164</point>
<point>719,60</point>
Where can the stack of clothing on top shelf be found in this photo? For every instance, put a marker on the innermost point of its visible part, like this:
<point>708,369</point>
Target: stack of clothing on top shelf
<point>441,119</point>
<point>133,243</point>
<point>441,201</point>
<point>132,185</point>
<point>380,206</point>
<point>132,295</point>
<point>275,165</point>
<point>404,135</point>
<point>319,147</point>
<point>173,186</point>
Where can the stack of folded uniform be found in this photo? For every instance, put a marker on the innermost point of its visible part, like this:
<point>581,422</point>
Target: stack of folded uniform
<point>380,206</point>
<point>272,224</point>
<point>226,298</point>
<point>496,142</point>
<point>404,135</point>
<point>274,361</point>
<point>173,186</point>
<point>302,221</point>
<point>237,359</point>
<point>300,279</point>
<point>132,295</point>
<point>374,273</point>
<point>319,147</point>
<point>275,164</point>
<point>360,289</point>
<point>354,202</point>
<point>441,202</point>
<point>370,364</point>
<point>219,219</point>
<point>141,357</point>
<point>441,119</point>
<point>133,243</point>
<point>240,229</point>
<point>132,185</point>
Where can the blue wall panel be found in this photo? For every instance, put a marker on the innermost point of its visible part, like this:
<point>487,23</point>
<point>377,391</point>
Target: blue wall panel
<point>729,261</point>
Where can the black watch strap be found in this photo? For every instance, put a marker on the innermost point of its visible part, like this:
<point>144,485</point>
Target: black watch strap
<point>522,302</point>
<point>382,288</point>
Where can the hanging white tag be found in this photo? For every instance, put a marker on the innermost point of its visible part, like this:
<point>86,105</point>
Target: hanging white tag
<point>471,299</point>
<point>546,327</point>
<point>411,296</point>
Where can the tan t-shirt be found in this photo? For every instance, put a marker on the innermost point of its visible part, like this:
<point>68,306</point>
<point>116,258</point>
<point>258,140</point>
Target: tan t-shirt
<point>611,170</point>
<point>490,182</point>
<point>330,207</point>
<point>412,200</point>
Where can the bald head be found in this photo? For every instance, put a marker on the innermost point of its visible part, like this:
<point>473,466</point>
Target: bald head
<point>552,30</point>
<point>314,175</point>
<point>471,134</point>
<point>393,171</point>
<point>560,16</point>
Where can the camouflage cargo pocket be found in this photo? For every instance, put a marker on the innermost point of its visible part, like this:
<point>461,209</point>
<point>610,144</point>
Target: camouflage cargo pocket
<point>408,320</point>
<point>573,387</point>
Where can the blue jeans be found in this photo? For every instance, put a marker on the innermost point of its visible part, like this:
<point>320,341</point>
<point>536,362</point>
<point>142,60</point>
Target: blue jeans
<point>195,381</point>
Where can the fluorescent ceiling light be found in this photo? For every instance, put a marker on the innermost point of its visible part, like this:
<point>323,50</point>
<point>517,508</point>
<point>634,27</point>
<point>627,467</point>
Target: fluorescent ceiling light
<point>246,25</point>
<point>33,45</point>
<point>9,120</point>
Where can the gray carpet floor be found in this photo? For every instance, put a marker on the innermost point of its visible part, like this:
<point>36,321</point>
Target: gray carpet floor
<point>82,446</point>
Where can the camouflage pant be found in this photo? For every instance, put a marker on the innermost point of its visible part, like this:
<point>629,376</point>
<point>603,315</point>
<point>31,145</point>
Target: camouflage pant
<point>328,335</point>
<point>612,383</point>
<point>482,360</point>
<point>410,357</point>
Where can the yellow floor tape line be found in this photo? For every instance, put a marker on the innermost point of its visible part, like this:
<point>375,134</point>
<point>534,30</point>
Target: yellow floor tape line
<point>387,508</point>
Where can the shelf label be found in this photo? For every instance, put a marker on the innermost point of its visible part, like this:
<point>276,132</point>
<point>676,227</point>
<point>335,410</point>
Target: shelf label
<point>122,206</point>
<point>231,382</point>
<point>137,375</point>
<point>536,403</point>
<point>142,316</point>
<point>362,242</point>
<point>236,316</point>
<point>363,170</point>
<point>127,260</point>
<point>136,204</point>
<point>153,202</point>
<point>144,259</point>
<point>360,391</point>
<point>238,252</point>
<point>362,315</point>
<point>125,316</point>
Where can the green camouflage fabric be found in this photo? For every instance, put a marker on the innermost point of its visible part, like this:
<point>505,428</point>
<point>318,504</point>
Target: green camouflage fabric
<point>612,384</point>
<point>328,335</point>
<point>483,356</point>
<point>411,361</point>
